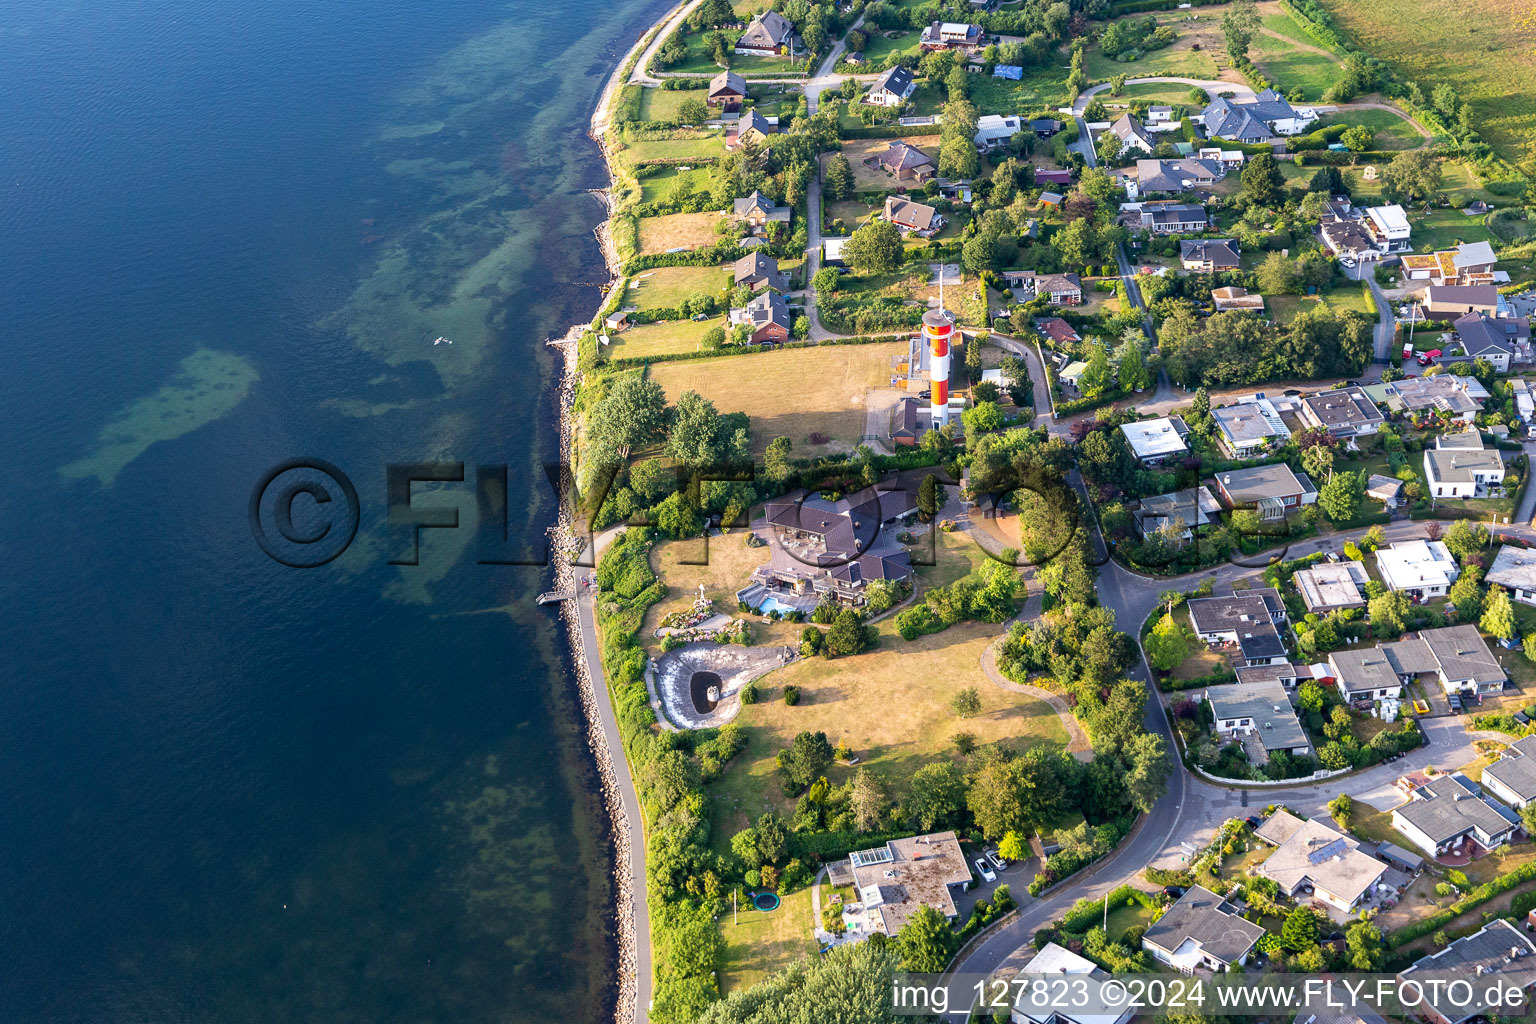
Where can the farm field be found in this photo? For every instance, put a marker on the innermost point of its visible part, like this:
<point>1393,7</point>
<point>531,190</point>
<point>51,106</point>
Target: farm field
<point>794,392</point>
<point>667,287</point>
<point>666,337</point>
<point>1487,58</point>
<point>677,230</point>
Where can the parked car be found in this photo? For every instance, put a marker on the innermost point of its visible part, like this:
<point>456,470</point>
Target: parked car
<point>985,870</point>
<point>1333,556</point>
<point>1292,392</point>
<point>1428,357</point>
<point>1455,702</point>
<point>996,860</point>
<point>1175,891</point>
<point>1254,821</point>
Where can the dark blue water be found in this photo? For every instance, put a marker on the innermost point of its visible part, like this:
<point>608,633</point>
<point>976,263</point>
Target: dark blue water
<point>235,791</point>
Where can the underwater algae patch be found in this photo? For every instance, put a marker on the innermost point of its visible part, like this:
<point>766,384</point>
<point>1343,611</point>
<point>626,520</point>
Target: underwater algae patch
<point>208,385</point>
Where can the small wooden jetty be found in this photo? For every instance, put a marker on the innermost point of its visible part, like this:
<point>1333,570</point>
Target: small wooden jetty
<point>556,596</point>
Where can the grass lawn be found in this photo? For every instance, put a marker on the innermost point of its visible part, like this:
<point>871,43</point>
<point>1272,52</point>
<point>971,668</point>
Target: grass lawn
<point>759,944</point>
<point>663,338</point>
<point>660,185</point>
<point>891,705</point>
<point>727,564</point>
<point>692,146</point>
<point>879,46</point>
<point>1443,228</point>
<point>1160,93</point>
<point>1282,309</point>
<point>1481,51</point>
<point>1178,60</point>
<point>794,392</point>
<point>664,104</point>
<point>677,230</point>
<point>1276,20</point>
<point>668,287</point>
<point>851,212</point>
<point>1392,131</point>
<point>1290,66</point>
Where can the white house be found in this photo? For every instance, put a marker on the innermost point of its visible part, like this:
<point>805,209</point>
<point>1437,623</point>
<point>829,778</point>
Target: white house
<point>1514,569</point>
<point>1313,859</point>
<point>1460,467</point>
<point>893,88</point>
<point>1057,960</point>
<point>1388,228</point>
<point>1450,815</point>
<point>1201,930</point>
<point>1512,778</point>
<point>1419,568</point>
<point>1155,441</point>
<point>1261,710</point>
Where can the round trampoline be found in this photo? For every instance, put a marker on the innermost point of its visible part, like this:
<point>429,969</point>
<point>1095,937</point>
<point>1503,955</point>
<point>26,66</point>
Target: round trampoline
<point>765,900</point>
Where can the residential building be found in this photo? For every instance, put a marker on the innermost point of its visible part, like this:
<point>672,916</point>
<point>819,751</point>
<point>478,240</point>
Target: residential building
<point>1282,672</point>
<point>1253,120</point>
<point>1420,568</point>
<point>903,162</point>
<point>1057,961</point>
<point>1447,394</point>
<point>1460,467</point>
<point>1469,263</point>
<point>1314,859</point>
<point>757,271</point>
<point>950,35</point>
<point>1332,586</point>
<point>1451,301</point>
<point>1514,569</point>
<point>1177,175</point>
<point>895,880</point>
<point>1155,441</point>
<point>1497,956</point>
<point>1181,512</point>
<point>1249,428</point>
<point>1388,228</point>
<point>1161,217</point>
<point>913,218</point>
<point>1275,490</point>
<point>1449,815</point>
<point>905,428</point>
<point>1385,489</point>
<point>1052,199</point>
<point>1058,330</point>
<point>1045,127</point>
<point>829,550</point>
<point>993,131</point>
<point>1347,239</point>
<point>1366,673</point>
<point>1500,341</point>
<point>768,316</point>
<point>1237,299</point>
<point>1060,289</point>
<point>1246,621</point>
<point>1456,655</point>
<point>1132,136</point>
<point>1230,159</point>
<point>768,35</point>
<point>1201,931</point>
<point>727,90</point>
<point>1512,778</point>
<point>1261,712</point>
<point>1072,373</point>
<point>1052,176</point>
<point>757,211</point>
<point>893,88</point>
<point>1208,256</point>
<point>754,128</point>
<point>1343,412</point>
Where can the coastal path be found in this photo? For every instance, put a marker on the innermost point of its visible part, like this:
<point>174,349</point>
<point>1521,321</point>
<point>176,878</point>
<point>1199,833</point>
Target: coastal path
<point>640,76</point>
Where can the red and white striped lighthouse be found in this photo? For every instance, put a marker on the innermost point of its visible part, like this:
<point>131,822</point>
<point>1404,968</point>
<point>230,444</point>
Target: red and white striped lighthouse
<point>937,332</point>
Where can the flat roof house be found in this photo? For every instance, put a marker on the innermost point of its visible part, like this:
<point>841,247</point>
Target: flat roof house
<point>1419,568</point>
<point>993,131</point>
<point>912,218</point>
<point>1457,655</point>
<point>1317,860</point>
<point>1208,256</point>
<point>893,88</point>
<point>1154,441</point>
<point>1388,227</point>
<point>1343,412</point>
<point>768,35</point>
<point>1057,960</point>
<point>896,879</point>
<point>1201,930</point>
<point>1459,470</point>
<point>1274,490</point>
<point>1193,507</point>
<point>1512,778</point>
<point>1468,263</point>
<point>1234,297</point>
<point>1332,586</point>
<point>1497,955</point>
<point>1514,569</point>
<point>1449,815</point>
<point>950,35</point>
<point>1458,398</point>
<point>1249,427</point>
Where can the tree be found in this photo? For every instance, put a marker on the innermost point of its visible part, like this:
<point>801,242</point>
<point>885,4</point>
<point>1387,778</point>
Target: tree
<point>1262,179</point>
<point>982,418</point>
<point>776,459</point>
<point>1317,461</point>
<point>966,703</point>
<point>866,799</point>
<point>1147,767</point>
<point>1363,942</point>
<point>1131,368</point>
<point>1012,847</point>
<point>698,436</point>
<point>1075,243</point>
<point>677,517</point>
<point>1095,379</point>
<point>630,415</point>
<point>1340,496</point>
<point>1358,138</point>
<point>1341,806</point>
<point>805,760</point>
<point>1277,275</point>
<point>1528,817</point>
<point>837,179</point>
<point>1167,645</point>
<point>847,635</point>
<point>1311,697</point>
<point>935,795</point>
<point>1467,594</point>
<point>1240,24</point>
<point>926,942</point>
<point>1498,614</point>
<point>994,800</point>
<point>874,248</point>
<point>978,253</point>
<point>1300,930</point>
<point>930,498</point>
<point>692,111</point>
<point>1412,174</point>
<point>1465,539</point>
<point>855,978</point>
<point>1388,614</point>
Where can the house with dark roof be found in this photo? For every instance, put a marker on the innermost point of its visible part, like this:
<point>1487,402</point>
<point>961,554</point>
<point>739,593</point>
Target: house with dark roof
<point>1274,490</point>
<point>1045,127</point>
<point>752,127</point>
<point>1201,931</point>
<point>1456,655</point>
<point>757,271</point>
<point>1060,289</point>
<point>768,316</point>
<point>1500,341</point>
<point>1161,217</point>
<point>727,90</point>
<point>1258,119</point>
<point>1366,674</point>
<point>830,550</point>
<point>1178,514</point>
<point>950,35</point>
<point>757,211</point>
<point>1052,176</point>
<point>1207,256</point>
<point>1512,778</point>
<point>768,35</point>
<point>892,88</point>
<point>1247,621</point>
<point>1343,412</point>
<point>906,427</point>
<point>1132,135</point>
<point>1258,712</point>
<point>1496,957</point>
<point>904,162</point>
<point>913,218</point>
<point>1450,815</point>
<point>1058,330</point>
<point>1450,301</point>
<point>1177,175</point>
<point>1347,239</point>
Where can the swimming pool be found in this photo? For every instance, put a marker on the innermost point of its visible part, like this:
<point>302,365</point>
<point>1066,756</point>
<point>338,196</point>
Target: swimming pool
<point>773,604</point>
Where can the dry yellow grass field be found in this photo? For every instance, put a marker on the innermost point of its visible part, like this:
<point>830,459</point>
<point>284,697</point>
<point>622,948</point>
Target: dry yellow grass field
<point>793,392</point>
<point>677,230</point>
<point>663,338</point>
<point>875,177</point>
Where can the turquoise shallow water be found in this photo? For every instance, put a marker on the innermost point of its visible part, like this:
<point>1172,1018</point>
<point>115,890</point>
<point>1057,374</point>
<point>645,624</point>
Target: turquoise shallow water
<point>232,790</point>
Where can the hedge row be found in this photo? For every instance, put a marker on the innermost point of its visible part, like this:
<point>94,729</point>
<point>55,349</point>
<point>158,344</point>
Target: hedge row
<point>1084,404</point>
<point>1338,158</point>
<point>1476,898</point>
<point>1222,675</point>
